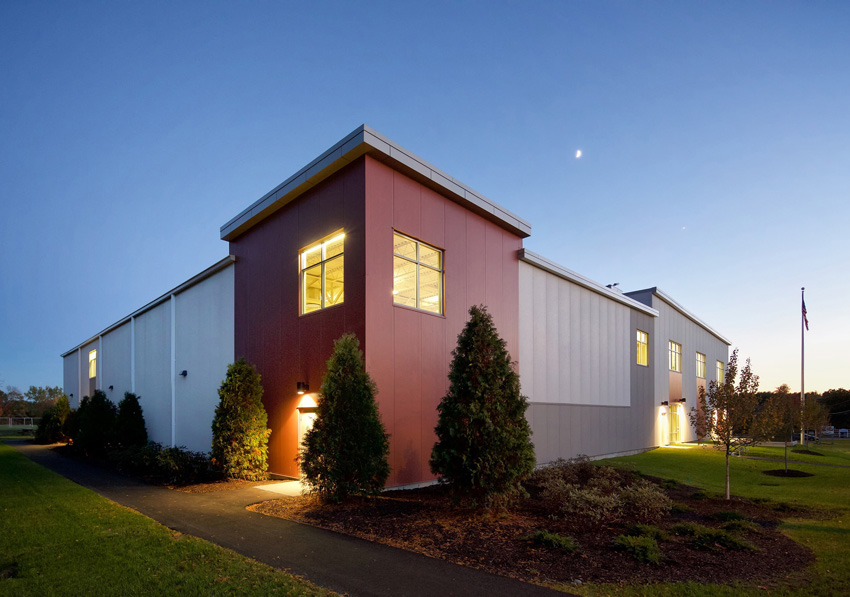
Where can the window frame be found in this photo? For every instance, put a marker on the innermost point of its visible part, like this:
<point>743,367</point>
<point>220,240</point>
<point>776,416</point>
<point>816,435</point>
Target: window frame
<point>418,264</point>
<point>720,372</point>
<point>323,261</point>
<point>642,347</point>
<point>700,362</point>
<point>93,361</point>
<point>675,364</point>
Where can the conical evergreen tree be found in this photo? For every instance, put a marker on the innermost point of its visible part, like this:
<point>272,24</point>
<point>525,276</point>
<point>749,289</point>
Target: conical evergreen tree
<point>345,453</point>
<point>483,448</point>
<point>240,433</point>
<point>130,428</point>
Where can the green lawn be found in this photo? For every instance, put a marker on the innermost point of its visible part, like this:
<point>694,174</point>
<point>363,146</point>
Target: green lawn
<point>58,538</point>
<point>828,491</point>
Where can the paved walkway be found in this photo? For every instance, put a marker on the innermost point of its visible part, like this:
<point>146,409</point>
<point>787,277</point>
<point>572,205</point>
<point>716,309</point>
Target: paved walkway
<point>338,562</point>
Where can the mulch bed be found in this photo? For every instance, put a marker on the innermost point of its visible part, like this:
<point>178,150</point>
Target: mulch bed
<point>789,473</point>
<point>426,521</point>
<point>809,452</point>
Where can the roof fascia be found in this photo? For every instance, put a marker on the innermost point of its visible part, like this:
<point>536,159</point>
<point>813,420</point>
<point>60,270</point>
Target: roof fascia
<point>669,300</point>
<point>366,141</point>
<point>576,278</point>
<point>213,269</point>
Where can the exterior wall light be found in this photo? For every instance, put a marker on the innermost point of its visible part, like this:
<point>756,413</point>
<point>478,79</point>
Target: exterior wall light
<point>664,403</point>
<point>111,388</point>
<point>184,373</point>
<point>682,400</point>
<point>302,387</point>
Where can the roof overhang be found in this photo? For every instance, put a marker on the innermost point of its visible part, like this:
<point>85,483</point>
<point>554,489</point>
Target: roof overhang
<point>366,141</point>
<point>571,276</point>
<point>669,300</point>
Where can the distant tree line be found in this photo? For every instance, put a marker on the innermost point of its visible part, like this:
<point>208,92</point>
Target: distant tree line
<point>35,402</point>
<point>830,408</point>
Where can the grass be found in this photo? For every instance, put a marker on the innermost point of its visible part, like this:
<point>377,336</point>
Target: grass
<point>828,535</point>
<point>58,538</point>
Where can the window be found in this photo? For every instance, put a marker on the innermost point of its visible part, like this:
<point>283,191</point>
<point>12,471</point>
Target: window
<point>92,364</point>
<point>417,274</point>
<point>700,365</point>
<point>322,280</point>
<point>675,356</point>
<point>642,348</point>
<point>720,372</point>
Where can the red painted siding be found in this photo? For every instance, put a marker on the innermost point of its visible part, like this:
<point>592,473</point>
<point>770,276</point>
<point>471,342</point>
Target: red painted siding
<point>270,333</point>
<point>408,351</point>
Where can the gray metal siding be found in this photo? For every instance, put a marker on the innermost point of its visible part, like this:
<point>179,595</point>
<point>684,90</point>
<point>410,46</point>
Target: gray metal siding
<point>153,370</point>
<point>116,364</point>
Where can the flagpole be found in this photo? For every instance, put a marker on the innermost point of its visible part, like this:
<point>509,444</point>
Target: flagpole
<point>802,366</point>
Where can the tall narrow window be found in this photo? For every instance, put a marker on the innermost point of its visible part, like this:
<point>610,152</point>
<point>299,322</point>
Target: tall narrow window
<point>642,348</point>
<point>721,374</point>
<point>675,356</point>
<point>700,365</point>
<point>417,274</point>
<point>92,364</point>
<point>322,274</point>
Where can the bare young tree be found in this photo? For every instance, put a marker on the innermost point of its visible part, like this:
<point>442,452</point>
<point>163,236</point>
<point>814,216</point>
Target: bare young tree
<point>734,416</point>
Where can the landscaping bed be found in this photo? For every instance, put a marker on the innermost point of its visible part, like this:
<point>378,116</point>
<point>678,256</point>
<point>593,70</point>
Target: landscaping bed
<point>703,538</point>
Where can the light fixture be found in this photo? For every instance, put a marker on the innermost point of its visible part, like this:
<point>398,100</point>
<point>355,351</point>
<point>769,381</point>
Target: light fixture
<point>682,400</point>
<point>111,388</point>
<point>302,387</point>
<point>184,373</point>
<point>71,396</point>
<point>664,403</point>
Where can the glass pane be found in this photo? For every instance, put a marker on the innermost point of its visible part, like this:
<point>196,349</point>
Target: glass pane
<point>312,290</point>
<point>92,364</point>
<point>334,294</point>
<point>334,246</point>
<point>430,291</point>
<point>311,256</point>
<point>404,282</point>
<point>404,247</point>
<point>430,256</point>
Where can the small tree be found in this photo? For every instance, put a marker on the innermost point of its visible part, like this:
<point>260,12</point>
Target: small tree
<point>345,453</point>
<point>130,427</point>
<point>815,416</point>
<point>240,433</point>
<point>483,447</point>
<point>735,416</point>
<point>95,424</point>
<point>50,428</point>
<point>787,410</point>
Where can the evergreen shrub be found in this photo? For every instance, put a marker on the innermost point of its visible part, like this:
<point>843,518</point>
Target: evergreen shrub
<point>95,424</point>
<point>643,549</point>
<point>483,449</point>
<point>240,432</point>
<point>130,429</point>
<point>346,451</point>
<point>51,427</point>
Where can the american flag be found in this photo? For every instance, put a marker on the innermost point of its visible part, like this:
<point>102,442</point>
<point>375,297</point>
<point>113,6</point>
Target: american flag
<point>805,319</point>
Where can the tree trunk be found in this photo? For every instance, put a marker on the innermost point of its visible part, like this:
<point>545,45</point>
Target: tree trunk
<point>727,473</point>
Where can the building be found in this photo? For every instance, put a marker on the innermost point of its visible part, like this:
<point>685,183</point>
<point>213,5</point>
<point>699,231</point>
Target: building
<point>371,239</point>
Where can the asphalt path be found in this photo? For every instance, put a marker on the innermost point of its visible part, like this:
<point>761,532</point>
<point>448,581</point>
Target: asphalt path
<point>338,562</point>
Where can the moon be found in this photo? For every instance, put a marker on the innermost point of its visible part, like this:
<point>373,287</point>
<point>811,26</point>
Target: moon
<point>578,154</point>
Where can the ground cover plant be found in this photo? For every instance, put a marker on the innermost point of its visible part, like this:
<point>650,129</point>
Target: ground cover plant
<point>539,541</point>
<point>58,538</point>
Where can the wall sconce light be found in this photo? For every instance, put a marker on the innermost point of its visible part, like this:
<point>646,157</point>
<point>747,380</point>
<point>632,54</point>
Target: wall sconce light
<point>71,396</point>
<point>111,388</point>
<point>184,373</point>
<point>664,403</point>
<point>302,387</point>
<point>682,400</point>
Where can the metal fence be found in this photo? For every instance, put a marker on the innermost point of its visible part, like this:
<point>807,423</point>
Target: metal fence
<point>25,422</point>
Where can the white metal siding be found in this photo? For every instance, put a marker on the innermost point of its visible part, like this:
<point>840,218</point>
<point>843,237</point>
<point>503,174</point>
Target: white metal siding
<point>116,364</point>
<point>153,370</point>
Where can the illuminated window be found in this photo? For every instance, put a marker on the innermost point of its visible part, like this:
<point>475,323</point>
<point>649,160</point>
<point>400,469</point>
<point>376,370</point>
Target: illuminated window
<point>322,269</point>
<point>720,372</point>
<point>642,348</point>
<point>92,364</point>
<point>675,356</point>
<point>417,274</point>
<point>700,365</point>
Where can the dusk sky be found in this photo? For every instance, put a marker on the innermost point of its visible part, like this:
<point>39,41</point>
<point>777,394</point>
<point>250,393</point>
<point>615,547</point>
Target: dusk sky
<point>715,140</point>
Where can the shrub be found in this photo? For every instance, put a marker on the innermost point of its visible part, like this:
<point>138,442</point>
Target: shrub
<point>165,465</point>
<point>643,549</point>
<point>346,451</point>
<point>590,503</point>
<point>553,541</point>
<point>130,429</point>
<point>727,516</point>
<point>704,537</point>
<point>680,508</point>
<point>644,501</point>
<point>740,526</point>
<point>51,427</point>
<point>95,424</point>
<point>240,435</point>
<point>647,530</point>
<point>483,449</point>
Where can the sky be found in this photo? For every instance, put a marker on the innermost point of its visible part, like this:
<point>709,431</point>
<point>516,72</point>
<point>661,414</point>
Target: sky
<point>715,142</point>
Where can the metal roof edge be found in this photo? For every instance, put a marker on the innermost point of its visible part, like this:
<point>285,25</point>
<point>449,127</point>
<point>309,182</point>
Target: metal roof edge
<point>571,276</point>
<point>213,269</point>
<point>669,300</point>
<point>366,140</point>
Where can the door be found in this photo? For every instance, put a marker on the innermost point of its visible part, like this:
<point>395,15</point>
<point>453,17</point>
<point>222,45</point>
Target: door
<point>674,424</point>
